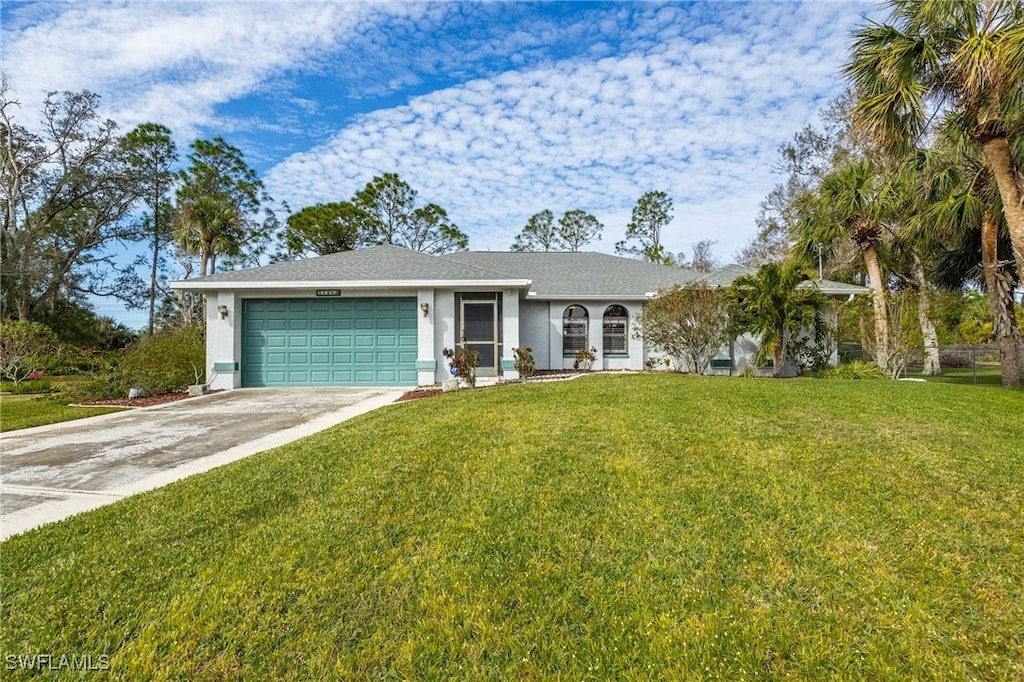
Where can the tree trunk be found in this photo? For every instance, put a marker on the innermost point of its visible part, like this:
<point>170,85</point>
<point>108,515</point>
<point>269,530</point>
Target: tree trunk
<point>1000,161</point>
<point>780,356</point>
<point>932,367</point>
<point>1005,328</point>
<point>878,292</point>
<point>152,277</point>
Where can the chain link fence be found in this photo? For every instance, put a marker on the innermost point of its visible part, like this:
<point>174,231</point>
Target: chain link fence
<point>974,358</point>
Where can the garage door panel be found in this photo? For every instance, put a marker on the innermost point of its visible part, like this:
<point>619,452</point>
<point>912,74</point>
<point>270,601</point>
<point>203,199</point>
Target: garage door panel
<point>314,342</point>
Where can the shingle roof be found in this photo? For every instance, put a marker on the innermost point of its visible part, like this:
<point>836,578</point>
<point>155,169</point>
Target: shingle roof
<point>554,274</point>
<point>384,263</point>
<point>724,276</point>
<point>579,274</point>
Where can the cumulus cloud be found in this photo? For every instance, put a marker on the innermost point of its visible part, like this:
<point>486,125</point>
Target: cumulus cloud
<point>696,108</point>
<point>173,62</point>
<point>493,110</point>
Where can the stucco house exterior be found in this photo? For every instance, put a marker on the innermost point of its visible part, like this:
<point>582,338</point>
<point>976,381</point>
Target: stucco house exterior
<point>381,316</point>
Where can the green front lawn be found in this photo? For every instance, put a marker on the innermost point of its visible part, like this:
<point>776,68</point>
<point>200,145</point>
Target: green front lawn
<point>987,375</point>
<point>610,527</point>
<point>23,411</point>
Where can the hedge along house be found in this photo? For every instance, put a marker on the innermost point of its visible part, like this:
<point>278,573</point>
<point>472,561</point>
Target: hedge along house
<point>381,316</point>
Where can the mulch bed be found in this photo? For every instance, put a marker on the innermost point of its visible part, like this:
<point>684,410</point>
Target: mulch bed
<point>146,401</point>
<point>419,393</point>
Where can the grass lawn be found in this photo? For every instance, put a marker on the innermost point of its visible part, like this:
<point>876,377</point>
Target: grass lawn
<point>23,411</point>
<point>983,375</point>
<point>612,527</point>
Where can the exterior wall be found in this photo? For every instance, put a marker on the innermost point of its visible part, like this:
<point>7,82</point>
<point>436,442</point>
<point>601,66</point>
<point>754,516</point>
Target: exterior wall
<point>223,341</point>
<point>633,360</point>
<point>445,334</point>
<point>510,336</point>
<point>534,331</point>
<point>524,322</point>
<point>426,354</point>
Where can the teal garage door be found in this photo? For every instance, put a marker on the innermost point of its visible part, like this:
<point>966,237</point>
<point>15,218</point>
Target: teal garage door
<point>329,342</point>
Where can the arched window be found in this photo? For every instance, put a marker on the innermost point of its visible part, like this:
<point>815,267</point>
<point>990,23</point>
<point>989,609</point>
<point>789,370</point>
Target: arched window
<point>575,321</point>
<point>616,321</point>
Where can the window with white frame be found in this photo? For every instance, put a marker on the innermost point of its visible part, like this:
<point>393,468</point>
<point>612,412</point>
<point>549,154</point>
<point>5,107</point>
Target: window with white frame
<point>615,326</point>
<point>575,321</point>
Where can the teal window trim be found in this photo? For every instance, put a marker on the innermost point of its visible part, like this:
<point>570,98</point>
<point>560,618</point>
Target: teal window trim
<point>616,355</point>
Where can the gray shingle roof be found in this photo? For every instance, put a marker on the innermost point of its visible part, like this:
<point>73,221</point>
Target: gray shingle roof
<point>385,263</point>
<point>723,277</point>
<point>579,274</point>
<point>554,274</point>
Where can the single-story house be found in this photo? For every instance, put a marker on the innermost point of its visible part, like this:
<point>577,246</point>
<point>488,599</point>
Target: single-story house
<point>381,316</point>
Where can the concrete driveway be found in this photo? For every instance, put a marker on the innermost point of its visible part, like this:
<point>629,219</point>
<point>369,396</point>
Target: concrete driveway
<point>52,472</point>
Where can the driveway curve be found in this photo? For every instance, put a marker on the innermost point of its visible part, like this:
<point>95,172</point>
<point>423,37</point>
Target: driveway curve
<point>52,472</point>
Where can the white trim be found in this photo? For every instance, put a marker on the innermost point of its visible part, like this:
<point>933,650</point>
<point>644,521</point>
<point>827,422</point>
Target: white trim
<point>194,285</point>
<point>596,297</point>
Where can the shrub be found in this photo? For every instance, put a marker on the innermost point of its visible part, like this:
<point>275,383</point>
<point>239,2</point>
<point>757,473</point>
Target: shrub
<point>585,359</point>
<point>465,362</point>
<point>25,348</point>
<point>31,385</point>
<point>955,360</point>
<point>857,369</point>
<point>108,384</point>
<point>525,364</point>
<point>166,362</point>
<point>688,323</point>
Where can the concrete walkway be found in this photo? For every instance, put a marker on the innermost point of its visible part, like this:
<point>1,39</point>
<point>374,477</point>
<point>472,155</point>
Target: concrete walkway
<point>53,472</point>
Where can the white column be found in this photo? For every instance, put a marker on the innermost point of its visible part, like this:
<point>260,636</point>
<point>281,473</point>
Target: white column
<point>426,356</point>
<point>510,333</point>
<point>223,340</point>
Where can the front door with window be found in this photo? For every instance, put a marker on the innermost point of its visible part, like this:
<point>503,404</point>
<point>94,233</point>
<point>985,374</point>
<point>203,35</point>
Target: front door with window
<point>480,333</point>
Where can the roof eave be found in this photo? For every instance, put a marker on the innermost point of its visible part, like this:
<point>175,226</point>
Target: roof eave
<point>193,285</point>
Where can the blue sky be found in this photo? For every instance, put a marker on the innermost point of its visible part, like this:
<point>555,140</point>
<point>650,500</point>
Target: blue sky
<point>493,110</point>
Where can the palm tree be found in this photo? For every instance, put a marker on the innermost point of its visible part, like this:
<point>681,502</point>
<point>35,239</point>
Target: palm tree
<point>853,204</point>
<point>773,305</point>
<point>963,56</point>
<point>966,214</point>
<point>208,225</point>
